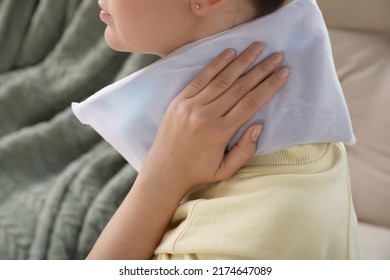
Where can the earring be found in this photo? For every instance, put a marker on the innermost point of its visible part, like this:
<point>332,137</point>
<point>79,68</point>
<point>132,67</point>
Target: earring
<point>197,6</point>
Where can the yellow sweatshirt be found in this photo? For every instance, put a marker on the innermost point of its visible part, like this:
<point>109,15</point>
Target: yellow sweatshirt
<point>293,204</point>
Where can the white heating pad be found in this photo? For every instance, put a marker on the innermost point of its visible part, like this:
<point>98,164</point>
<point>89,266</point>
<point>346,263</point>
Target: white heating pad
<point>310,108</point>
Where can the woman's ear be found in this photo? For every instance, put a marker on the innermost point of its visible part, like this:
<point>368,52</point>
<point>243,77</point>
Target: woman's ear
<point>203,7</point>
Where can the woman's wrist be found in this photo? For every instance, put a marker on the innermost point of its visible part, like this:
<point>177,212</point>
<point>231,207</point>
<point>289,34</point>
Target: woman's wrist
<point>161,181</point>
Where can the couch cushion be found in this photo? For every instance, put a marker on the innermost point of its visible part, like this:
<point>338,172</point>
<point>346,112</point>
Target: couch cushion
<point>363,65</point>
<point>369,15</point>
<point>374,242</point>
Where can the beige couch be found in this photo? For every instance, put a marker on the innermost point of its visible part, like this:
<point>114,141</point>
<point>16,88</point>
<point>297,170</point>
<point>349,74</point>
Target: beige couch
<point>360,34</point>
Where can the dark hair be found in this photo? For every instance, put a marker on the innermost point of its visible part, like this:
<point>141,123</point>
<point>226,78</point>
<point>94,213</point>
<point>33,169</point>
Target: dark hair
<point>264,7</point>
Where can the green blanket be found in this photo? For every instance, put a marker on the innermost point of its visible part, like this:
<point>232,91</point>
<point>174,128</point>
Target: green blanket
<point>60,182</point>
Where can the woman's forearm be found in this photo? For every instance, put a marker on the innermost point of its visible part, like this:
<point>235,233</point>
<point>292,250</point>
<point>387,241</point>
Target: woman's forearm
<point>137,227</point>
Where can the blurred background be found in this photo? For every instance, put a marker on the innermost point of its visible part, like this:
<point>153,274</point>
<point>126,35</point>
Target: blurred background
<point>60,182</point>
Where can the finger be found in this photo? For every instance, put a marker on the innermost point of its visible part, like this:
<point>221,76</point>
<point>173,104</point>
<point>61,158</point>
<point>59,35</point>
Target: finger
<point>251,103</point>
<point>246,83</point>
<point>230,74</point>
<point>243,151</point>
<point>208,74</point>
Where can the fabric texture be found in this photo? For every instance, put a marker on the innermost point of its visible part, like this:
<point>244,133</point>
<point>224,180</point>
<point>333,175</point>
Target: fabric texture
<point>360,33</point>
<point>363,63</point>
<point>310,108</point>
<point>294,204</point>
<point>60,183</point>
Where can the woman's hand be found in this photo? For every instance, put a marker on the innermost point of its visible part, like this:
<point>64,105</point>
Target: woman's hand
<point>190,145</point>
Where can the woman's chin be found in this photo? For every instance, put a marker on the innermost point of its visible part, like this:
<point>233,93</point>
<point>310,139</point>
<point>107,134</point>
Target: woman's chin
<point>113,42</point>
<point>116,44</point>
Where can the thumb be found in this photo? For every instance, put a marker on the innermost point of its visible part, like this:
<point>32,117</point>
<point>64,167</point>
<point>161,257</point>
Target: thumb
<point>243,151</point>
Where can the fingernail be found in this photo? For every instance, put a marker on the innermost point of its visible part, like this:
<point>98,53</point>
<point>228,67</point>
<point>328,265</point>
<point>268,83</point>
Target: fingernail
<point>228,54</point>
<point>256,133</point>
<point>277,58</point>
<point>284,73</point>
<point>256,48</point>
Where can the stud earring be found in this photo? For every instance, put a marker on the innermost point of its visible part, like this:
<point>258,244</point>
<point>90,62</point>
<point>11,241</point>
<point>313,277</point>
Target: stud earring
<point>197,6</point>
